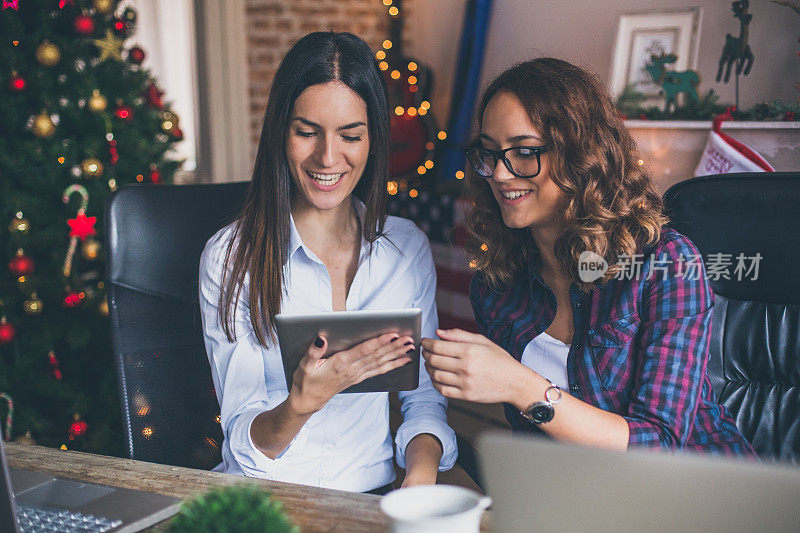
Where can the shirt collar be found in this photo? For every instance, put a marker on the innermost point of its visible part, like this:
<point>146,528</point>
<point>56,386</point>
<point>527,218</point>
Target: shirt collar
<point>296,242</point>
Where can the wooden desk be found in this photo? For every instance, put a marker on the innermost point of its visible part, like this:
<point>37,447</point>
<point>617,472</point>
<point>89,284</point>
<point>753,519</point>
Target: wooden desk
<point>310,508</point>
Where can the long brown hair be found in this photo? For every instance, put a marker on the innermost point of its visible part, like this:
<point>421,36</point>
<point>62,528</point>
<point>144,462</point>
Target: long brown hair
<point>260,242</point>
<point>611,206</point>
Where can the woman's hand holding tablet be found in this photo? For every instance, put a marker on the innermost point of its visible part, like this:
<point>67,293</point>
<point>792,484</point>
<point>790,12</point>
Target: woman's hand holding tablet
<point>319,378</point>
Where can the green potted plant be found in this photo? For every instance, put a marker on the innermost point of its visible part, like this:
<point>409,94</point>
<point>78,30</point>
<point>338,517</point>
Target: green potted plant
<point>236,509</point>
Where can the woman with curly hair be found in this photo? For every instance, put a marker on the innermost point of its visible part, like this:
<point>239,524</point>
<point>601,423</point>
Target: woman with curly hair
<point>594,316</point>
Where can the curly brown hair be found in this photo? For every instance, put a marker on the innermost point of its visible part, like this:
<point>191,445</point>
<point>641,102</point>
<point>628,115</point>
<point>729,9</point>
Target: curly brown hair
<point>611,206</point>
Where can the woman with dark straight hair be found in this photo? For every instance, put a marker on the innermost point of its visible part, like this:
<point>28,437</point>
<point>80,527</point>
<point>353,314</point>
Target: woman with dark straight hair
<point>313,236</point>
<point>594,314</point>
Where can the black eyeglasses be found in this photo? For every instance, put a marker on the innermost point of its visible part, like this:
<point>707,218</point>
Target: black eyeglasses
<point>521,161</point>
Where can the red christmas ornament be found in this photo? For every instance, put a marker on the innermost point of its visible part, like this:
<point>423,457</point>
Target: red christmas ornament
<point>155,175</point>
<point>123,112</point>
<point>16,83</point>
<point>7,332</point>
<point>82,226</point>
<point>112,151</point>
<point>136,55</point>
<point>77,428</point>
<point>153,96</point>
<point>64,3</point>
<point>176,133</point>
<point>73,298</point>
<point>21,265</point>
<point>13,4</point>
<point>119,27</point>
<point>55,368</point>
<point>83,25</point>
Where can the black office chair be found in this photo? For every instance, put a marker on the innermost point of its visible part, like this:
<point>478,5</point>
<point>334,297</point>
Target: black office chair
<point>155,235</point>
<point>754,362</point>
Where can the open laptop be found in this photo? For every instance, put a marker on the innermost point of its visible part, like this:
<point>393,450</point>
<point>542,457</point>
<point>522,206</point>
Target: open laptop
<point>41,502</point>
<point>540,485</point>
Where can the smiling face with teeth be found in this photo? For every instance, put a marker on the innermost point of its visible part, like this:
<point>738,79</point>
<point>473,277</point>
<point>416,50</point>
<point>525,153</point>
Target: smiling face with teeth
<point>327,145</point>
<point>524,202</point>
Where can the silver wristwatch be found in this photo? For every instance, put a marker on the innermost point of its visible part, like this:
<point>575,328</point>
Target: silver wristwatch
<point>543,412</point>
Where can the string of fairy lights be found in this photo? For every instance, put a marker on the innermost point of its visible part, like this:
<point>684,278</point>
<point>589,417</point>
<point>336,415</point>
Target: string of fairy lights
<point>411,76</point>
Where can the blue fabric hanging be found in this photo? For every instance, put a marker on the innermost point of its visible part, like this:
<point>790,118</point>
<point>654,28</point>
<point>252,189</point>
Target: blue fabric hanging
<point>466,85</point>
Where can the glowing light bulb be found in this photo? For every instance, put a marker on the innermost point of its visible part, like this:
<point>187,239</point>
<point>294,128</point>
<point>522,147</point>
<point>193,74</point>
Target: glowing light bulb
<point>412,111</point>
<point>429,164</point>
<point>383,65</point>
<point>412,66</point>
<point>412,80</point>
<point>380,54</point>
<point>421,170</point>
<point>393,11</point>
<point>459,174</point>
<point>426,104</point>
<point>395,74</point>
<point>442,135</point>
<point>387,44</point>
<point>423,111</point>
<point>413,193</point>
<point>399,110</point>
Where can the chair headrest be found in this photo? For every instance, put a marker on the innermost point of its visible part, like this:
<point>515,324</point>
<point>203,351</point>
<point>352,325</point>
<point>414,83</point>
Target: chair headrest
<point>747,214</point>
<point>155,234</point>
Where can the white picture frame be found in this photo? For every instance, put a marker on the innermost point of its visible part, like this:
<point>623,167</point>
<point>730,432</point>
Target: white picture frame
<point>639,34</point>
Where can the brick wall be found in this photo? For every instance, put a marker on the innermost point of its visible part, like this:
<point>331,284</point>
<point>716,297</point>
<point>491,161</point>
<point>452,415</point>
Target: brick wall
<point>274,25</point>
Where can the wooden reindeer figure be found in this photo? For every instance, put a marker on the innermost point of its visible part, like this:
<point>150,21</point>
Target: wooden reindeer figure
<point>672,82</point>
<point>736,48</point>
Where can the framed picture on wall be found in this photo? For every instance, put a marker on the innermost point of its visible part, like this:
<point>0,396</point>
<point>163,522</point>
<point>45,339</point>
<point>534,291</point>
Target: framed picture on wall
<point>639,35</point>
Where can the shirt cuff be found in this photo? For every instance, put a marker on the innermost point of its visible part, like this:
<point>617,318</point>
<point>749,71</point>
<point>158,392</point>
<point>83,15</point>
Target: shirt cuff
<point>436,426</point>
<point>644,434</point>
<point>251,460</point>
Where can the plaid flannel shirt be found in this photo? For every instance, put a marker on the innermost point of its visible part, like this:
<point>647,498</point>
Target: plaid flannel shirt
<point>639,350</point>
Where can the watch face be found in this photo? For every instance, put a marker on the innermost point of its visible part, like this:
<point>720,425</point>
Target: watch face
<point>542,413</point>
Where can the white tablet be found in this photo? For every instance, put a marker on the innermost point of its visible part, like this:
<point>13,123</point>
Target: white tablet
<point>345,329</point>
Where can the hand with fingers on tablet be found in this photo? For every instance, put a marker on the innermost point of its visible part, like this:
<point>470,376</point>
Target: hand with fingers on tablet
<point>319,378</point>
<point>468,366</point>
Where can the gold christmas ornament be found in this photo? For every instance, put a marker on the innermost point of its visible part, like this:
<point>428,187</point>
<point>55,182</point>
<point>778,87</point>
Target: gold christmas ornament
<point>110,46</point>
<point>48,54</point>
<point>91,168</point>
<point>97,102</point>
<point>104,7</point>
<point>19,225</point>
<point>33,305</point>
<point>103,307</point>
<point>27,438</point>
<point>43,126</point>
<point>169,121</point>
<point>90,249</point>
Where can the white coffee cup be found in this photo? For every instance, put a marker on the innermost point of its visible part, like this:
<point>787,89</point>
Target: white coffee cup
<point>434,509</point>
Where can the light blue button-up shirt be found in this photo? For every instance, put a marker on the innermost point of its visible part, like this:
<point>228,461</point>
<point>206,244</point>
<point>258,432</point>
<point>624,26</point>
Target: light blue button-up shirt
<point>347,445</point>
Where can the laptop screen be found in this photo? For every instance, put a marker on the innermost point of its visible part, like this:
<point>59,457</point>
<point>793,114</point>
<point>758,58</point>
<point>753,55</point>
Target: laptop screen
<point>8,514</point>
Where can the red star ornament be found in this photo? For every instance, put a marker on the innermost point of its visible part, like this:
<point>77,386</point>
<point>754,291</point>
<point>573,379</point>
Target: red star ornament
<point>82,226</point>
<point>153,96</point>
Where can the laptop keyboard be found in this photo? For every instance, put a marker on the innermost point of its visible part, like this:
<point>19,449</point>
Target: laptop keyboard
<point>36,519</point>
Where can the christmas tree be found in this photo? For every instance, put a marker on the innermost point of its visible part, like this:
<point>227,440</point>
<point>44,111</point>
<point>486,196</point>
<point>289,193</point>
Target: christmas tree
<point>79,117</point>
